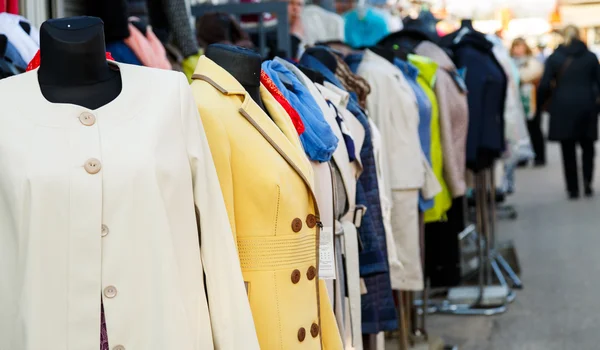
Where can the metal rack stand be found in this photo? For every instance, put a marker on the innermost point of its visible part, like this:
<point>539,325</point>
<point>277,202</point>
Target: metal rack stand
<point>240,9</point>
<point>485,299</point>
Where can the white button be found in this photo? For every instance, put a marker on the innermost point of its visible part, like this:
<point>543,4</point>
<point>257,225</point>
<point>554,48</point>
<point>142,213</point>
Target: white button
<point>119,347</point>
<point>87,119</point>
<point>104,231</point>
<point>110,292</point>
<point>92,166</point>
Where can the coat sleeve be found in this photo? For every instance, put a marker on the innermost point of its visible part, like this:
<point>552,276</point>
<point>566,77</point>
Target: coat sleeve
<point>544,89</point>
<point>231,319</point>
<point>431,186</point>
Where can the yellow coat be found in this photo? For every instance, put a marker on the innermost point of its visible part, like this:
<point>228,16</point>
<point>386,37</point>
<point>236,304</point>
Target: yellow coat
<point>267,184</point>
<point>426,79</point>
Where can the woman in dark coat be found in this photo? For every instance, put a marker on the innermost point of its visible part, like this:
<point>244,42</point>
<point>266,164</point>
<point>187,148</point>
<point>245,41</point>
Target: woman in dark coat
<point>569,86</point>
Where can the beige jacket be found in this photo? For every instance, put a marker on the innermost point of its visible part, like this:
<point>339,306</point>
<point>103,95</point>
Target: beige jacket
<point>103,203</point>
<point>454,118</point>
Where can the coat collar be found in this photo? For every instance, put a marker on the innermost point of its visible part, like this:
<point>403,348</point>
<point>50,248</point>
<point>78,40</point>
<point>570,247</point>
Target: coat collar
<point>278,131</point>
<point>427,68</point>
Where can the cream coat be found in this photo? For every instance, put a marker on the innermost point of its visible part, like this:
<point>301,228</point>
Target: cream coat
<point>71,228</point>
<point>393,108</point>
<point>350,172</point>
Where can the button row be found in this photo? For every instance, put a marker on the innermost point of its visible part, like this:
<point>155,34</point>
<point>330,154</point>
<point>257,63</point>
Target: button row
<point>314,332</point>
<point>311,222</point>
<point>311,273</point>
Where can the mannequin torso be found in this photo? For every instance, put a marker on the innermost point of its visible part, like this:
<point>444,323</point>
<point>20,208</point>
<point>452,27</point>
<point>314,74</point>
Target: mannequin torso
<point>383,52</point>
<point>242,64</point>
<point>73,67</point>
<point>324,55</point>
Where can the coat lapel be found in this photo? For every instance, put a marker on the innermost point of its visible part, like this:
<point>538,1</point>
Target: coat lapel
<point>279,132</point>
<point>278,129</point>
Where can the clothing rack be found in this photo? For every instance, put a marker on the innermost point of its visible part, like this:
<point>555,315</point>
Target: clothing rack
<point>486,298</point>
<point>278,8</point>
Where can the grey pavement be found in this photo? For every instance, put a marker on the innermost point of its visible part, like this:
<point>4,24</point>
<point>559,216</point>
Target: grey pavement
<point>558,243</point>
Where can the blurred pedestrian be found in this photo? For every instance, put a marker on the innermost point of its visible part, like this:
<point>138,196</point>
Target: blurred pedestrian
<point>530,73</point>
<point>570,87</point>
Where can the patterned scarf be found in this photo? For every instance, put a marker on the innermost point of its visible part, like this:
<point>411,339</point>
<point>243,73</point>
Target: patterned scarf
<point>352,82</point>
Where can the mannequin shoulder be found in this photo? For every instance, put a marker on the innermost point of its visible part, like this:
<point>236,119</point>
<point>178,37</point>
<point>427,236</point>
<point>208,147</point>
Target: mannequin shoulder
<point>155,75</point>
<point>17,84</point>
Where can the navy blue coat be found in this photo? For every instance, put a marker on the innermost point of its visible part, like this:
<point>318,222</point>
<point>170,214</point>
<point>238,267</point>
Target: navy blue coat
<point>486,84</point>
<point>572,106</point>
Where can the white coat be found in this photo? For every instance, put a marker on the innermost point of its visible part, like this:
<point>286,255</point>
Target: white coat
<point>104,203</point>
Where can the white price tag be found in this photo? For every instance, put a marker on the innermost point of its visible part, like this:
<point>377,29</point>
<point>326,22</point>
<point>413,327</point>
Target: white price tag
<point>326,254</point>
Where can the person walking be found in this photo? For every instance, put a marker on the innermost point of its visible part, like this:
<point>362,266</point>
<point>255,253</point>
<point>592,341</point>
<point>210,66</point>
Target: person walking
<point>530,73</point>
<point>570,86</point>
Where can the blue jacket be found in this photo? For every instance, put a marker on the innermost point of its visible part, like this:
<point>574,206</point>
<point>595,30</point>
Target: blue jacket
<point>486,82</point>
<point>378,308</point>
<point>318,139</point>
<point>411,72</point>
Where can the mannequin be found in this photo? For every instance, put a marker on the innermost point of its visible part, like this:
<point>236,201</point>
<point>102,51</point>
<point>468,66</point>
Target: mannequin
<point>243,64</point>
<point>324,55</point>
<point>467,23</point>
<point>383,52</point>
<point>313,75</point>
<point>3,45</point>
<point>73,67</point>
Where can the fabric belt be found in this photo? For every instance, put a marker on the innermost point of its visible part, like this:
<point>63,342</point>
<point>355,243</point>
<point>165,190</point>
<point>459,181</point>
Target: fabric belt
<point>277,252</point>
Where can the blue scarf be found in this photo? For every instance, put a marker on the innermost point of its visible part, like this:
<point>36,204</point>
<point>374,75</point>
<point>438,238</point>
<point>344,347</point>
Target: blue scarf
<point>318,139</point>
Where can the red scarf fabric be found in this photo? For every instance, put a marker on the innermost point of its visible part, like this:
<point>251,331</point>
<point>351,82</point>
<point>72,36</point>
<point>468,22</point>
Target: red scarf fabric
<point>272,88</point>
<point>35,61</point>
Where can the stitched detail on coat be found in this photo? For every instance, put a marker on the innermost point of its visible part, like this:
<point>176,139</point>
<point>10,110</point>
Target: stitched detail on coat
<point>277,252</point>
<point>278,312</point>
<point>277,209</point>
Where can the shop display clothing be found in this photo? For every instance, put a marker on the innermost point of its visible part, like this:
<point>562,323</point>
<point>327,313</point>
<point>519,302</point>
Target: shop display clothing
<point>14,56</point>
<point>486,83</point>
<point>318,140</point>
<point>454,116</point>
<point>10,6</point>
<point>321,25</point>
<point>352,82</point>
<point>378,310</point>
<point>349,173</point>
<point>347,285</point>
<point>273,213</point>
<point>572,107</point>
<point>426,79</point>
<point>410,73</point>
<point>403,163</point>
<point>364,27</point>
<point>114,221</point>
<point>27,44</point>
<point>392,105</point>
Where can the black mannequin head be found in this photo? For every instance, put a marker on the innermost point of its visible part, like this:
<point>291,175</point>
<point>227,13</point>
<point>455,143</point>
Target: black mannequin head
<point>466,23</point>
<point>243,64</point>
<point>3,45</point>
<point>383,52</point>
<point>324,55</point>
<point>73,66</point>
<point>313,75</point>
